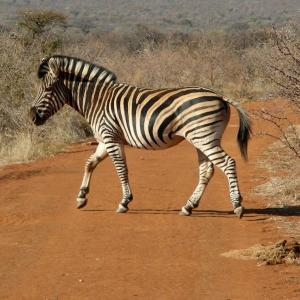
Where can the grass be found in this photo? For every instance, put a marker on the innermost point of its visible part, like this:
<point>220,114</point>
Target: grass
<point>282,252</point>
<point>282,190</point>
<point>157,60</point>
<point>283,187</point>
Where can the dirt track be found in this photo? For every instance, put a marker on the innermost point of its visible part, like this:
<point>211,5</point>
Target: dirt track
<point>50,250</point>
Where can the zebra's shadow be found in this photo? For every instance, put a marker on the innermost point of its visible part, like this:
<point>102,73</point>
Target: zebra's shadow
<point>175,212</point>
<point>254,214</point>
<point>293,210</point>
<point>250,213</point>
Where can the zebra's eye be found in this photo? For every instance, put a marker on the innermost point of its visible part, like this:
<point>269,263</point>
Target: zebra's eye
<point>39,110</point>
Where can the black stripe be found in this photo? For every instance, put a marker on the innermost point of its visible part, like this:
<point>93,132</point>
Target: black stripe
<point>96,105</point>
<point>125,94</point>
<point>91,88</point>
<point>135,104</point>
<point>126,112</point>
<point>144,111</point>
<point>109,103</point>
<point>200,137</point>
<point>83,86</point>
<point>164,105</point>
<point>181,109</point>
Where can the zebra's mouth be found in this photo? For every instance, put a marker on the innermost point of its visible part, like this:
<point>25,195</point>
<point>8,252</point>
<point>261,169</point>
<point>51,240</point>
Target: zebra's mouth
<point>35,117</point>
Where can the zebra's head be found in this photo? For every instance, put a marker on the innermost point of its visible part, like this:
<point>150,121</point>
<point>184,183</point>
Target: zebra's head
<point>52,95</point>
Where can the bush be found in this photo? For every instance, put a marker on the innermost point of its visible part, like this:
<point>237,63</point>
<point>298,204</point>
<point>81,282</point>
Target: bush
<point>281,59</point>
<point>20,140</point>
<point>145,58</point>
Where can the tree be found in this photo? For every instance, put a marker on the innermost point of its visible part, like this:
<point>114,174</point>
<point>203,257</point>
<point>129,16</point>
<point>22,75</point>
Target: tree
<point>285,63</point>
<point>36,22</point>
<point>283,70</point>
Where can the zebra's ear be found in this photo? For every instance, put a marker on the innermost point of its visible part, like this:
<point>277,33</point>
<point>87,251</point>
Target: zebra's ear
<point>53,67</point>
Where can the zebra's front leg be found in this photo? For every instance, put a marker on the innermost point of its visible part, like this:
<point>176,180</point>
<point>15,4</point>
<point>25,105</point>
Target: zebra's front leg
<point>206,170</point>
<point>90,165</point>
<point>116,153</point>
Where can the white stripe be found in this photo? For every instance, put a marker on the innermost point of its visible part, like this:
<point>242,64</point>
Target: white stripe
<point>78,67</point>
<point>85,70</point>
<point>93,73</point>
<point>71,65</point>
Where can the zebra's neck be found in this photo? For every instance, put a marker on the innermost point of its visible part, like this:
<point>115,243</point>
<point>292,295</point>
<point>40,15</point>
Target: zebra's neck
<point>86,82</point>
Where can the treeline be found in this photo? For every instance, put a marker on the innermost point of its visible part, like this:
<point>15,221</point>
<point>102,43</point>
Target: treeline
<point>121,16</point>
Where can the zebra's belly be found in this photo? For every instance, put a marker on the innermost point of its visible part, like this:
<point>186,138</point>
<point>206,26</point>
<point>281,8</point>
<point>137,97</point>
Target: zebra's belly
<point>150,145</point>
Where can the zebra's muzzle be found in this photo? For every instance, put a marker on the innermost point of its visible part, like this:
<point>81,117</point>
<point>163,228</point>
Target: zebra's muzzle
<point>35,117</point>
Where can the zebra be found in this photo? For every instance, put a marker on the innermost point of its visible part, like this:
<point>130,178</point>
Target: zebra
<point>120,114</point>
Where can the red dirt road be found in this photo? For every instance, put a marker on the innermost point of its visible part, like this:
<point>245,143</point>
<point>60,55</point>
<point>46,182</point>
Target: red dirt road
<point>51,250</point>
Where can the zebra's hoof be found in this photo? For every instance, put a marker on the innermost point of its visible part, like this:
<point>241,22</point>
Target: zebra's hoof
<point>81,202</point>
<point>121,209</point>
<point>239,211</point>
<point>185,212</point>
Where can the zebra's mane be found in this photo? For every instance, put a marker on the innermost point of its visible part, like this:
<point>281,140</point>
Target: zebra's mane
<point>63,60</point>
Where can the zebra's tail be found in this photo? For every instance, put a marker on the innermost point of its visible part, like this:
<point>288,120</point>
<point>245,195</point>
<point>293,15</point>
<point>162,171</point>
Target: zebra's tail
<point>244,133</point>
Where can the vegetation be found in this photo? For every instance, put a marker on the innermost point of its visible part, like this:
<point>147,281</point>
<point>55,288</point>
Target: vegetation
<point>282,252</point>
<point>19,139</point>
<point>283,62</point>
<point>37,22</point>
<point>283,187</point>
<point>281,160</point>
<point>224,61</point>
<point>119,15</point>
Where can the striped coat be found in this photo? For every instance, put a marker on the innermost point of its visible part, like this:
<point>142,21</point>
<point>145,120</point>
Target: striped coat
<point>120,114</point>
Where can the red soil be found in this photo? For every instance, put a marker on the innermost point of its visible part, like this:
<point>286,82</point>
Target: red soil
<point>51,250</point>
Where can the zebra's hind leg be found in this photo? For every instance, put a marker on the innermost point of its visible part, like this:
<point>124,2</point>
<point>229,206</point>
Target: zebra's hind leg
<point>90,165</point>
<point>221,159</point>
<point>206,170</point>
<point>117,154</point>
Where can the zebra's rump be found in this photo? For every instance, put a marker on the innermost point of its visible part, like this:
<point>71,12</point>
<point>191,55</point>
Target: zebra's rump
<point>154,119</point>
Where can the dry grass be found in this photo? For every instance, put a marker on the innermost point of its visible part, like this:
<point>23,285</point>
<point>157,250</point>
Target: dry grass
<point>282,190</point>
<point>203,59</point>
<point>203,62</point>
<point>282,252</point>
<point>20,140</point>
<point>283,187</point>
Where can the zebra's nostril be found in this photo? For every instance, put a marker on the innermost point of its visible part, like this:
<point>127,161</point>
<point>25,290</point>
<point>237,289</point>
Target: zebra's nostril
<point>36,117</point>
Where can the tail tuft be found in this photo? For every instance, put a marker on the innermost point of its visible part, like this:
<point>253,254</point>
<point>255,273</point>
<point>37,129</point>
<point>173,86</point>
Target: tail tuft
<point>244,132</point>
<point>245,128</point>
